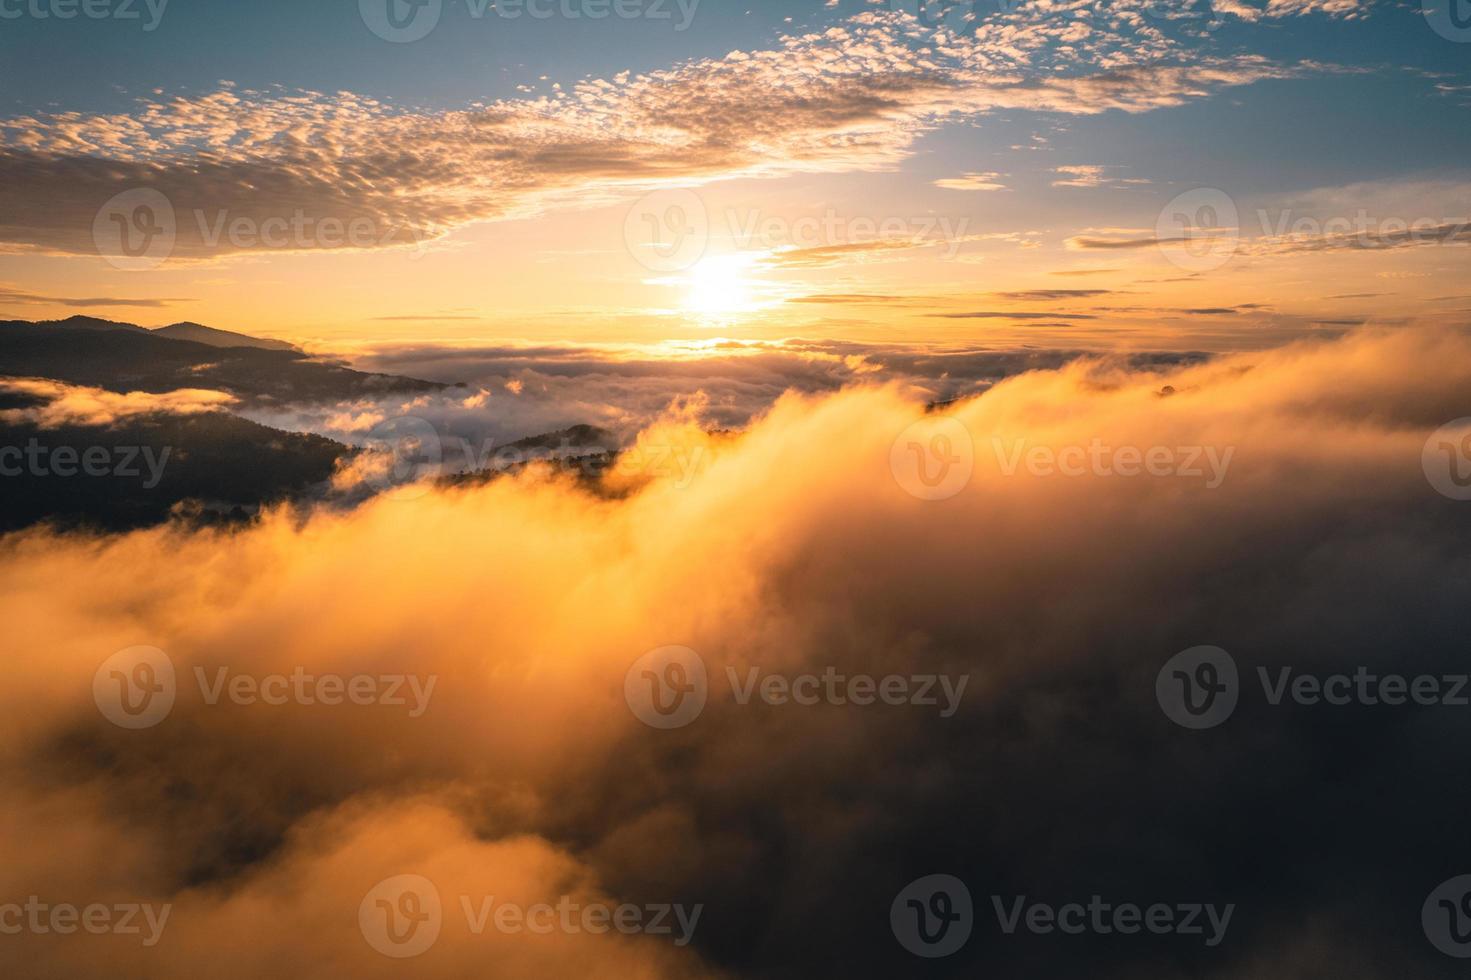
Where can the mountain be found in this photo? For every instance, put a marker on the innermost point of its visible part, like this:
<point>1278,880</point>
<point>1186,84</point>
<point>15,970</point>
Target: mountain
<point>583,451</point>
<point>213,467</point>
<point>124,357</point>
<point>577,437</point>
<point>91,323</point>
<point>208,468</point>
<point>213,337</point>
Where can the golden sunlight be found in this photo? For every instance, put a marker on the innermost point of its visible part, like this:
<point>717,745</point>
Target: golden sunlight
<point>718,286</point>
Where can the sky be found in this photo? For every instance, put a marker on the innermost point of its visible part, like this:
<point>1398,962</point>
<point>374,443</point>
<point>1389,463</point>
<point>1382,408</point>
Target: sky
<point>778,259</point>
<point>1211,175</point>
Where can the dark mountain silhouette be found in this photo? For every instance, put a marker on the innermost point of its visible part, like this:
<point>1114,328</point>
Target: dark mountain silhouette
<point>212,337</point>
<point>125,357</point>
<point>211,467</point>
<point>582,450</point>
<point>91,323</point>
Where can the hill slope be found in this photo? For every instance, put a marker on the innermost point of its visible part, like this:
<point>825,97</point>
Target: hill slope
<point>124,357</point>
<point>213,337</point>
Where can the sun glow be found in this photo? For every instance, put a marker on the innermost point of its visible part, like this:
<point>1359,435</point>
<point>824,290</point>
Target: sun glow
<point>718,286</point>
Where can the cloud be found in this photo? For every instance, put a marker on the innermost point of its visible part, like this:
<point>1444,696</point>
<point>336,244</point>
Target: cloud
<point>1087,243</point>
<point>23,298</point>
<point>1050,294</point>
<point>1333,235</point>
<point>792,549</point>
<point>1345,9</point>
<point>1013,315</point>
<point>821,256</point>
<point>519,391</point>
<point>1402,235</point>
<point>246,170</point>
<point>1092,176</point>
<point>987,181</point>
<point>852,298</point>
<point>60,404</point>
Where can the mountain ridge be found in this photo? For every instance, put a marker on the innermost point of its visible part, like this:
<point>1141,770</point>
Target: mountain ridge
<point>124,357</point>
<point>215,337</point>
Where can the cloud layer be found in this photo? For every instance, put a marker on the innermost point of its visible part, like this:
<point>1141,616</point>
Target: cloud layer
<point>245,170</point>
<point>795,548</point>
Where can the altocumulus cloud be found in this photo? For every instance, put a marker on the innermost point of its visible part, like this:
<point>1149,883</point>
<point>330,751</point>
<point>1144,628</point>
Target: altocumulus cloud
<point>855,96</point>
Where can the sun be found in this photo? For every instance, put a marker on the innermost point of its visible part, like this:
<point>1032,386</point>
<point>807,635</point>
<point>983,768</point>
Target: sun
<point>718,286</point>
